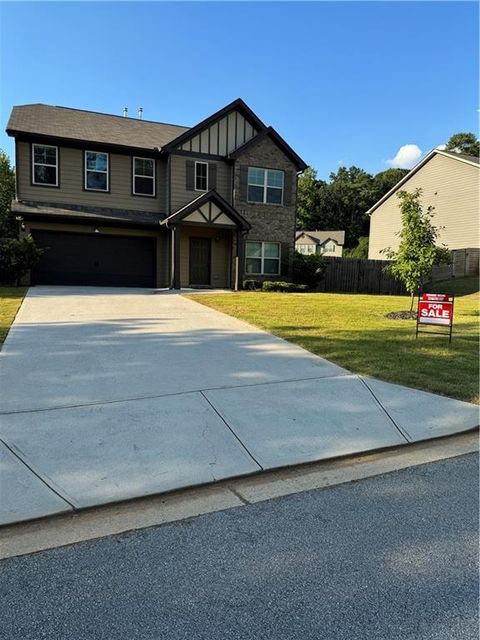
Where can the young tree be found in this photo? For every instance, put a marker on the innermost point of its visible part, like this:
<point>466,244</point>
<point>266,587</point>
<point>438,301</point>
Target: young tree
<point>8,227</point>
<point>464,143</point>
<point>413,261</point>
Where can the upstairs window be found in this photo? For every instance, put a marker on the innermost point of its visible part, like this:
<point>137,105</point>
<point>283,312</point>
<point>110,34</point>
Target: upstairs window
<point>45,165</point>
<point>265,185</point>
<point>144,177</point>
<point>262,258</point>
<point>201,176</point>
<point>96,171</point>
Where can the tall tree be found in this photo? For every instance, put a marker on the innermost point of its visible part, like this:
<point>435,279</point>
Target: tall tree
<point>417,253</point>
<point>386,180</point>
<point>464,143</point>
<point>8,227</point>
<point>307,198</point>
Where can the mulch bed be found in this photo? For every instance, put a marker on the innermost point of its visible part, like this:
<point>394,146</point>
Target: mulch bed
<point>401,315</point>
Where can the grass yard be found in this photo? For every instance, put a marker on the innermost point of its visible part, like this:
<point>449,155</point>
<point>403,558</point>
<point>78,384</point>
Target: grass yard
<point>352,331</point>
<point>10,301</point>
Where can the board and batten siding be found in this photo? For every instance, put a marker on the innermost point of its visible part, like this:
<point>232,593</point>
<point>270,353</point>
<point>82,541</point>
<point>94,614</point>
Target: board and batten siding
<point>222,137</point>
<point>71,182</point>
<point>181,196</point>
<point>449,185</point>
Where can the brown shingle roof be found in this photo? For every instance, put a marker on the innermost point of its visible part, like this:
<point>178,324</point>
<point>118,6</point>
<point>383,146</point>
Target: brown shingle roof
<point>464,156</point>
<point>321,236</point>
<point>89,126</point>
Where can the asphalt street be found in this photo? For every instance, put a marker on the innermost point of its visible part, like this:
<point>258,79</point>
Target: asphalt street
<point>390,557</point>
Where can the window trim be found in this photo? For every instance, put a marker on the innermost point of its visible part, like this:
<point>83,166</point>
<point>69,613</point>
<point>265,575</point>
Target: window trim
<point>195,176</point>
<point>265,186</point>
<point>153,178</point>
<point>33,163</point>
<point>107,172</point>
<point>262,258</point>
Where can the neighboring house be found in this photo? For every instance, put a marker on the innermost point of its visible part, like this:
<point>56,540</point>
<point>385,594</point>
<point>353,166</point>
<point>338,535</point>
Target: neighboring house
<point>124,201</point>
<point>450,183</point>
<point>326,243</point>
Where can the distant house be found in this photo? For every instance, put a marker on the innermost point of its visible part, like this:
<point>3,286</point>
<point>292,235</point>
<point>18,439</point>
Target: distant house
<point>450,183</point>
<point>326,243</point>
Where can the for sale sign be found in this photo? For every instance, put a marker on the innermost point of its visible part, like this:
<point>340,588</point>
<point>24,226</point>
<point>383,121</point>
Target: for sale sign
<point>435,308</point>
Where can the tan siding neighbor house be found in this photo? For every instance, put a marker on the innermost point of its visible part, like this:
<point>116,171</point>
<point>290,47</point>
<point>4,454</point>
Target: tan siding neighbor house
<point>450,183</point>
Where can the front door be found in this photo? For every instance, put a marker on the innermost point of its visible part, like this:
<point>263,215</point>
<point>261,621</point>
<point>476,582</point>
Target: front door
<point>200,258</point>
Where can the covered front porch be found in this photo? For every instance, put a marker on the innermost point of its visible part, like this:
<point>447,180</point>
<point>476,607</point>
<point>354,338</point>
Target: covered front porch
<point>207,244</point>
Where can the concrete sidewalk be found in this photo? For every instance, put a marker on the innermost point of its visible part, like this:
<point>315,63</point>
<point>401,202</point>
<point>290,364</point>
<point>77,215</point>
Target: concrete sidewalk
<point>111,394</point>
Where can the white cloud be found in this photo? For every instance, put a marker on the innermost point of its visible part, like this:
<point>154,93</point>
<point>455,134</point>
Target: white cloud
<point>441,147</point>
<point>406,157</point>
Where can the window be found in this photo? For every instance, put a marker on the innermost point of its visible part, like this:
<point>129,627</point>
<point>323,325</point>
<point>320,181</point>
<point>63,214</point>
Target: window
<point>96,171</point>
<point>262,258</point>
<point>45,165</point>
<point>144,177</point>
<point>201,176</point>
<point>305,248</point>
<point>265,185</point>
<point>328,247</point>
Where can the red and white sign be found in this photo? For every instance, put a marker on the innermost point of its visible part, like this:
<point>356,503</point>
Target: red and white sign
<point>435,308</point>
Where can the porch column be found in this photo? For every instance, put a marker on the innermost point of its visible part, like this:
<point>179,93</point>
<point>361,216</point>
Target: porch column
<point>175,275</point>
<point>240,260</point>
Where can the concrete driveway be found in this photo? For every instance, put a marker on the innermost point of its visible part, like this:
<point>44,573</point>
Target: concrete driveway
<point>111,394</point>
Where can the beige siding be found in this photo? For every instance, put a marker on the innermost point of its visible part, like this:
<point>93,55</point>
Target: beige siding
<point>221,252</point>
<point>181,195</point>
<point>222,137</point>
<point>452,187</point>
<point>162,253</point>
<point>71,183</point>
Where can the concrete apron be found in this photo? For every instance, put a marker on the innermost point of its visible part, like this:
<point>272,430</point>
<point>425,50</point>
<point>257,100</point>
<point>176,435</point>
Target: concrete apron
<point>111,394</point>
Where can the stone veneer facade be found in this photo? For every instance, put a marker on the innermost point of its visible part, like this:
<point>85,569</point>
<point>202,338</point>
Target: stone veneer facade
<point>270,223</point>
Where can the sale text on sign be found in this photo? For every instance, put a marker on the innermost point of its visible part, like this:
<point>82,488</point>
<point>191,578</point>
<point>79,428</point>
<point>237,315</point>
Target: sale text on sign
<point>436,309</point>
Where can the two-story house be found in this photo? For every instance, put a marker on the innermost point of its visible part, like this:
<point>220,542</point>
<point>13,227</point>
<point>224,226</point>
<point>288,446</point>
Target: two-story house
<point>324,243</point>
<point>127,202</point>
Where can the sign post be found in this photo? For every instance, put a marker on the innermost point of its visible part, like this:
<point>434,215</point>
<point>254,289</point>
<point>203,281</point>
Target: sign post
<point>435,309</point>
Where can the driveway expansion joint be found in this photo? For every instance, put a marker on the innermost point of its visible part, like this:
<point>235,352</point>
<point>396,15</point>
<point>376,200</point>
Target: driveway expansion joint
<point>22,460</point>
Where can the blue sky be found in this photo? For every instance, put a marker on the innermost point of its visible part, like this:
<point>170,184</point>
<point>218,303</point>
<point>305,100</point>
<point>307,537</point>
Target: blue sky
<point>343,83</point>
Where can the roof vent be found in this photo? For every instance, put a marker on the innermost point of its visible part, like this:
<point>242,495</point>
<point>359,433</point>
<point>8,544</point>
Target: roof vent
<point>140,112</point>
<point>125,112</point>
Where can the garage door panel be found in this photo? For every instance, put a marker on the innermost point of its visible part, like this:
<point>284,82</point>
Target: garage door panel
<point>97,260</point>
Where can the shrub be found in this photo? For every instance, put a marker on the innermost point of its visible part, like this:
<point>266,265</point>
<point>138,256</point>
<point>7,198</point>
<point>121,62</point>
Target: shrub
<point>284,287</point>
<point>308,269</point>
<point>17,257</point>
<point>252,285</point>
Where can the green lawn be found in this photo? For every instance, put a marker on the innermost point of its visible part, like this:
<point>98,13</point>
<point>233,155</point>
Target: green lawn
<point>10,301</point>
<point>352,331</point>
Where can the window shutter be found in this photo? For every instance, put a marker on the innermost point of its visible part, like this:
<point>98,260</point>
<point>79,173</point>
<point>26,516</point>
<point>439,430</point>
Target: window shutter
<point>190,175</point>
<point>212,175</point>
<point>287,187</point>
<point>242,196</point>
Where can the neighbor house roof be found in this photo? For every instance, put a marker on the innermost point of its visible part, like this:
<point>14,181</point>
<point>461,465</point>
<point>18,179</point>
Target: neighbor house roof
<point>89,126</point>
<point>462,157</point>
<point>319,237</point>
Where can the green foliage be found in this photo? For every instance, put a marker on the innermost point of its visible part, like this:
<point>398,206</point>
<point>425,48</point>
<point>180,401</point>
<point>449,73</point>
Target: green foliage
<point>284,287</point>
<point>417,252</point>
<point>342,202</point>
<point>464,143</point>
<point>252,285</point>
<point>360,251</point>
<point>8,227</point>
<point>308,269</point>
<point>17,257</point>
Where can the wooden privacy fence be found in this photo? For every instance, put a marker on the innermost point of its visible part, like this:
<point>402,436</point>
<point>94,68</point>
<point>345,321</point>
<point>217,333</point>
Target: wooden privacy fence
<point>353,275</point>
